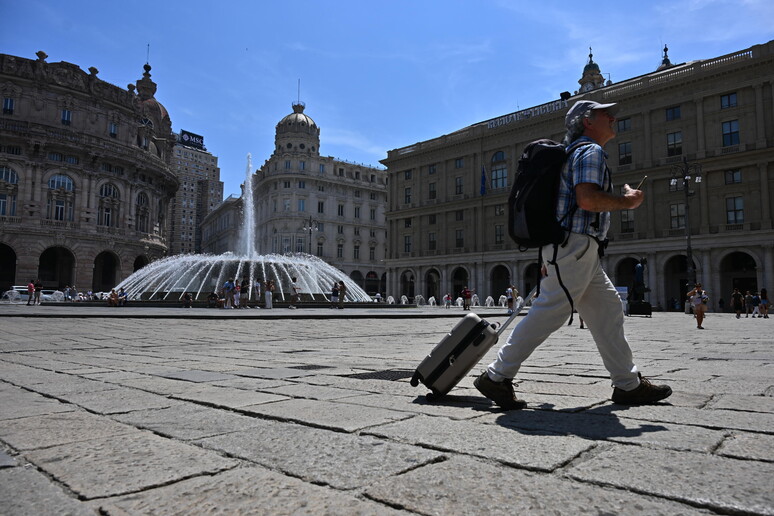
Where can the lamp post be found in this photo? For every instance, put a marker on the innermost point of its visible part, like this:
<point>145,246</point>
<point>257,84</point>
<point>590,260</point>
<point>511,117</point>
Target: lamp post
<point>685,172</point>
<point>310,225</point>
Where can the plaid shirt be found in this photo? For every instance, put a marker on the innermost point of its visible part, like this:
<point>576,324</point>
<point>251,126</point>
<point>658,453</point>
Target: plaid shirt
<point>585,164</point>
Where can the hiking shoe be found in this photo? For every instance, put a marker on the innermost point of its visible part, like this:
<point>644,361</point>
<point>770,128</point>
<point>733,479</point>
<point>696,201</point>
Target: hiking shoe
<point>645,394</point>
<point>500,392</point>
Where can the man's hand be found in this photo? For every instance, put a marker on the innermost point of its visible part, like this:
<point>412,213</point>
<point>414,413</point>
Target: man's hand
<point>592,198</point>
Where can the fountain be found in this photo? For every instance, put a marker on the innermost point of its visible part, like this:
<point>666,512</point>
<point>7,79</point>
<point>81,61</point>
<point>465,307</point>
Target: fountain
<point>200,274</point>
<point>489,302</point>
<point>503,301</point>
<point>474,300</point>
<point>390,300</point>
<point>403,300</point>
<point>432,301</point>
<point>419,300</point>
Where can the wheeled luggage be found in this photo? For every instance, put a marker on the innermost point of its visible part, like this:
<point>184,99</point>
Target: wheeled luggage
<point>459,352</point>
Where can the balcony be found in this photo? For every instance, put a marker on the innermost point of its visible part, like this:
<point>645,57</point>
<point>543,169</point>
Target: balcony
<point>59,224</point>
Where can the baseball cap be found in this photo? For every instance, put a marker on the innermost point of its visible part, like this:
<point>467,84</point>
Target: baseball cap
<point>581,107</point>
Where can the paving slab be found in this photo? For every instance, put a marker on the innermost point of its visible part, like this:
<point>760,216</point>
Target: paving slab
<point>743,445</point>
<point>246,490</point>
<point>527,450</point>
<point>227,397</point>
<point>188,421</point>
<point>27,492</point>
<point>717,483</point>
<point>344,461</point>
<point>43,431</point>
<point>110,466</point>
<point>119,400</point>
<point>463,485</point>
<point>17,403</point>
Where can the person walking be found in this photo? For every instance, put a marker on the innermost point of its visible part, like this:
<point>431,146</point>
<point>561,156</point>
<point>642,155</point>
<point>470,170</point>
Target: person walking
<point>228,293</point>
<point>38,291</point>
<point>342,293</point>
<point>765,303</point>
<point>334,295</point>
<point>509,298</point>
<point>585,199</point>
<point>698,298</point>
<point>748,303</point>
<point>294,293</point>
<point>756,303</point>
<point>30,293</point>
<point>268,294</point>
<point>737,300</point>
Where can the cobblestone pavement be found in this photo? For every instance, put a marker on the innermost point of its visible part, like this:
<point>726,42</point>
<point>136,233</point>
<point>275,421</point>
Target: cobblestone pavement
<point>180,414</point>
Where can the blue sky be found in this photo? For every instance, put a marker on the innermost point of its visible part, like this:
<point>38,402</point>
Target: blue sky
<point>374,76</point>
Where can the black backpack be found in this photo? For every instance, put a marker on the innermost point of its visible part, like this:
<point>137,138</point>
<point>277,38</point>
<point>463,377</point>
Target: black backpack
<point>532,221</point>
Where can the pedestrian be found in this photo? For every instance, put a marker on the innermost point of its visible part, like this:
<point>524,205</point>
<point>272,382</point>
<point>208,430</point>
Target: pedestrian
<point>228,293</point>
<point>187,300</point>
<point>342,293</point>
<point>756,303</point>
<point>334,295</point>
<point>236,294</point>
<point>737,300</point>
<point>585,199</point>
<point>447,300</point>
<point>30,293</point>
<point>748,304</point>
<point>244,293</point>
<point>268,293</point>
<point>698,298</point>
<point>509,298</point>
<point>294,293</point>
<point>466,294</point>
<point>38,291</point>
<point>765,303</point>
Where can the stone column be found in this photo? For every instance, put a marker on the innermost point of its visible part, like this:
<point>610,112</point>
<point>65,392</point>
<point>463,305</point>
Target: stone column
<point>760,118</point>
<point>763,172</point>
<point>700,143</point>
<point>767,274</point>
<point>654,296</point>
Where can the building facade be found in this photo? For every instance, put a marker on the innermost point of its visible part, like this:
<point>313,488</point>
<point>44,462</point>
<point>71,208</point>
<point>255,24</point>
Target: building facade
<point>710,118</point>
<point>201,190</point>
<point>308,203</point>
<point>85,177</point>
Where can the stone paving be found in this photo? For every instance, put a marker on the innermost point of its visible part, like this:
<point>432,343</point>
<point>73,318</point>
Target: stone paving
<point>172,411</point>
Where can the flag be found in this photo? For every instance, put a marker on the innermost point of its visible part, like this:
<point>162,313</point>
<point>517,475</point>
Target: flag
<point>483,180</point>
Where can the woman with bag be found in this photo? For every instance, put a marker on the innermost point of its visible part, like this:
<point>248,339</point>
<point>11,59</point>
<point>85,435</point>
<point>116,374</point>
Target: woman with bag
<point>699,300</point>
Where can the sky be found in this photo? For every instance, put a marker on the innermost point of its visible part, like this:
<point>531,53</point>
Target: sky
<point>375,76</point>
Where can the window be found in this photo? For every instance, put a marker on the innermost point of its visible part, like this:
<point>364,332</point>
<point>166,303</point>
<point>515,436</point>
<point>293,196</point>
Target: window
<point>407,174</point>
<point>406,243</point>
<point>356,252</point>
<point>499,178</point>
<point>61,198</point>
<point>322,168</point>
<point>431,193</point>
<point>730,133</point>
<point>624,153</point>
<point>8,106</point>
<point>457,186</point>
<point>286,204</point>
<point>728,101</point>
<point>673,113</point>
<point>300,244</point>
<point>432,243</point>
<point>141,212</point>
<point>431,169</point>
<point>339,250</point>
<point>624,124</point>
<point>407,195</point>
<point>320,207</point>
<point>340,229</point>
<point>372,253</point>
<point>357,230</point>
<point>286,184</point>
<point>113,130</point>
<point>340,210</point>
<point>372,214</point>
<point>73,160</point>
<point>357,193</point>
<point>407,222</point>
<point>372,196</point>
<point>499,210</point>
<point>499,234</point>
<point>302,205</point>
<point>321,227</point>
<point>8,181</point>
<point>498,156</point>
<point>67,117</point>
<point>734,210</point>
<point>431,219</point>
<point>302,184</point>
<point>107,215</point>
<point>677,215</point>
<point>459,240</point>
<point>675,144</point>
<point>341,172</point>
<point>459,162</point>
<point>287,164</point>
<point>319,249</point>
<point>459,215</point>
<point>627,221</point>
<point>56,156</point>
<point>733,176</point>
<point>302,165</point>
<point>357,212</point>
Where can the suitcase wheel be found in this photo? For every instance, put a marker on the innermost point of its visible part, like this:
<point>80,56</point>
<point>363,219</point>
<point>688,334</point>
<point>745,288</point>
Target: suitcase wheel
<point>431,396</point>
<point>415,379</point>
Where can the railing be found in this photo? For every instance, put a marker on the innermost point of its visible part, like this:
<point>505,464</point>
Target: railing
<point>60,224</point>
<point>107,230</point>
<point>10,220</point>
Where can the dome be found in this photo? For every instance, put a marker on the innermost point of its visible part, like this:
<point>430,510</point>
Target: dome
<point>297,117</point>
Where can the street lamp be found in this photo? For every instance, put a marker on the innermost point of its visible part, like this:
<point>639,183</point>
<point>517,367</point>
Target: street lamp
<point>310,225</point>
<point>685,172</point>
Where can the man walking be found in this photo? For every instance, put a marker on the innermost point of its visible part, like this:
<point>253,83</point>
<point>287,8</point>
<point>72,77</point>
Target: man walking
<point>585,200</point>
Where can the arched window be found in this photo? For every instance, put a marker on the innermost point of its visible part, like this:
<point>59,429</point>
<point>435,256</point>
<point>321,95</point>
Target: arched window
<point>109,202</point>
<point>61,198</point>
<point>142,210</point>
<point>9,182</point>
<point>499,171</point>
<point>498,156</point>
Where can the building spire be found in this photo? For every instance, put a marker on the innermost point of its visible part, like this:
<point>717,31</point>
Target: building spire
<point>592,78</point>
<point>665,62</point>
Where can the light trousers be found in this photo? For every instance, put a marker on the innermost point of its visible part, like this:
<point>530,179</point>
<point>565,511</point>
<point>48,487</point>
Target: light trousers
<point>597,302</point>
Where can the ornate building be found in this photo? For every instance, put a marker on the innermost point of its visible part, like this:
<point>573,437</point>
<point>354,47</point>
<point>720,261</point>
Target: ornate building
<point>201,190</point>
<point>85,177</point>
<point>712,119</point>
<point>305,202</point>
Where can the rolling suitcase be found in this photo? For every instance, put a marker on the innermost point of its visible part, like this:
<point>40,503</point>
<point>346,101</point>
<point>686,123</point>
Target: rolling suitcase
<point>459,352</point>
